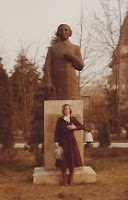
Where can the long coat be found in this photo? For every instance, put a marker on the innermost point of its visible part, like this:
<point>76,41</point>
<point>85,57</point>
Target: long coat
<point>67,141</point>
<point>61,73</point>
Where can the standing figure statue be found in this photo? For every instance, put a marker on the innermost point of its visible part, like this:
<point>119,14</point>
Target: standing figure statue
<point>63,58</point>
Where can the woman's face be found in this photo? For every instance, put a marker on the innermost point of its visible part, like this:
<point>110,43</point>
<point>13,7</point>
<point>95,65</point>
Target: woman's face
<point>67,110</point>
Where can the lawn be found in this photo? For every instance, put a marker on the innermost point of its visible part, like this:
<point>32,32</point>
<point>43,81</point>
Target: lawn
<point>111,166</point>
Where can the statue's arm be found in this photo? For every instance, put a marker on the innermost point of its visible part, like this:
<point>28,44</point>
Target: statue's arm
<point>78,62</point>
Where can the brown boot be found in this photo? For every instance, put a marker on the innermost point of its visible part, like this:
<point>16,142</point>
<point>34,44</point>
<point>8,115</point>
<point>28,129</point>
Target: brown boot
<point>64,175</point>
<point>71,173</point>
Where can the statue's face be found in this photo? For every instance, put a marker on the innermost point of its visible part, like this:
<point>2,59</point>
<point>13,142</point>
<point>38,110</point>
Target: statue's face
<point>64,32</point>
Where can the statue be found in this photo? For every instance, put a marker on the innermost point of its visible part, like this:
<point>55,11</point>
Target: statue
<point>63,58</point>
<point>61,83</point>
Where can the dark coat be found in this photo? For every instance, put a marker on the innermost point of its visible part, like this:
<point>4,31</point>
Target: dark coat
<point>67,141</point>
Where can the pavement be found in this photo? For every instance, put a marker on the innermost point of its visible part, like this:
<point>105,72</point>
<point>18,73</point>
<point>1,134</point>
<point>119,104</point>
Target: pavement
<point>95,145</point>
<point>113,144</point>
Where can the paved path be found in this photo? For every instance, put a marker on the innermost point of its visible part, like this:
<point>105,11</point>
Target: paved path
<point>95,145</point>
<point>113,144</point>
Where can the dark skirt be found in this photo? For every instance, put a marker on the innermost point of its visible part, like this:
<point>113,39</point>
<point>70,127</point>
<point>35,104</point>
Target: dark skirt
<point>72,156</point>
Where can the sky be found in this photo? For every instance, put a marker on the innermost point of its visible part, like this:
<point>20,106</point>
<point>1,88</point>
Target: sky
<point>34,22</point>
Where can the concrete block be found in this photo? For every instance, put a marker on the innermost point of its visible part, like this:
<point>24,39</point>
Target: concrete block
<point>81,175</point>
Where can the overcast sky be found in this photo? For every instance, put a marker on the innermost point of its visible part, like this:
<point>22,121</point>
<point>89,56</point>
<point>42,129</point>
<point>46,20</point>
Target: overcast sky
<point>35,21</point>
<point>31,21</point>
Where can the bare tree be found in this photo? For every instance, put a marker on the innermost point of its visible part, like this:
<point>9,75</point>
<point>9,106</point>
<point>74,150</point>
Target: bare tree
<point>85,41</point>
<point>98,37</point>
<point>107,22</point>
<point>106,28</point>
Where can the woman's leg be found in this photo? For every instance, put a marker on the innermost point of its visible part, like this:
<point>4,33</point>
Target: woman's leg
<point>64,175</point>
<point>71,173</point>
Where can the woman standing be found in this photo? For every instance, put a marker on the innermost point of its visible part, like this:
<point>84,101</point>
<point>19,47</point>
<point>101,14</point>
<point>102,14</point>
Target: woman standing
<point>64,137</point>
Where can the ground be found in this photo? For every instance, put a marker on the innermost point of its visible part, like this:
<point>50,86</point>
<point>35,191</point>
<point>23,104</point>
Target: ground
<point>111,166</point>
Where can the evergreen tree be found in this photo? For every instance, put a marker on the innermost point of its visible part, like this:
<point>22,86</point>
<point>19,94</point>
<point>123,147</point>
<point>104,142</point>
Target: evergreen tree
<point>104,135</point>
<point>6,134</point>
<point>37,125</point>
<point>24,82</point>
<point>111,109</point>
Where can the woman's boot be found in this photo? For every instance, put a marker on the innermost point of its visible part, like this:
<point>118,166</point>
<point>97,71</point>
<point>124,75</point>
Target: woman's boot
<point>71,173</point>
<point>64,175</point>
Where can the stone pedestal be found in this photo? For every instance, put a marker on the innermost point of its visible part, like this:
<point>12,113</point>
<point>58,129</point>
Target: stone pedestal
<point>83,175</point>
<point>50,174</point>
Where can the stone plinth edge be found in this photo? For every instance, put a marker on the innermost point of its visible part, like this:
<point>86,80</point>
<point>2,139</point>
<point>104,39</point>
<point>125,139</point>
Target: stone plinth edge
<point>42,176</point>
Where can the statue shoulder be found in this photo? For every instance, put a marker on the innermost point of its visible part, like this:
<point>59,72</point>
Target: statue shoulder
<point>53,47</point>
<point>75,46</point>
<point>49,49</point>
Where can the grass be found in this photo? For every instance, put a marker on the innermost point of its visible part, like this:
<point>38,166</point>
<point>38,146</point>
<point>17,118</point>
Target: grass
<point>111,166</point>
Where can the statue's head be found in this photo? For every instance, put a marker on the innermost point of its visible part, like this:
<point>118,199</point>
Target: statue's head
<point>64,32</point>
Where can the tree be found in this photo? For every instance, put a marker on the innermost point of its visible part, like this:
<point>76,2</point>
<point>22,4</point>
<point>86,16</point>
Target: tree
<point>37,125</point>
<point>107,24</point>
<point>6,134</point>
<point>104,27</point>
<point>24,82</point>
<point>84,38</point>
<point>111,108</point>
<point>98,35</point>
<point>104,135</point>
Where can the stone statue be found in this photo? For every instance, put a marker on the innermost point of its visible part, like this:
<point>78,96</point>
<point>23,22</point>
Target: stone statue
<point>63,58</point>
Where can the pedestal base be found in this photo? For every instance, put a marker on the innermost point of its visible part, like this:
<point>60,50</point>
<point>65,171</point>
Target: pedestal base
<point>82,175</point>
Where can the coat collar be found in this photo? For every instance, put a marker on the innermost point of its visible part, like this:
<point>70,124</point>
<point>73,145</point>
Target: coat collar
<point>71,118</point>
<point>67,118</point>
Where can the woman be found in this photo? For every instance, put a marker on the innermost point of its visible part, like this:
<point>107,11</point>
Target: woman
<point>64,137</point>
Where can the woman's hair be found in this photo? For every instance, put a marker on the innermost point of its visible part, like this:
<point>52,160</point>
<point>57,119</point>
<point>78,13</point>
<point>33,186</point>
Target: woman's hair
<point>57,33</point>
<point>64,106</point>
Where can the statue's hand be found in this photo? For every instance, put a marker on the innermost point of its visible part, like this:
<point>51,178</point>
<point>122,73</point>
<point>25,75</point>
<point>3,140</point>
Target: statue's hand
<point>69,57</point>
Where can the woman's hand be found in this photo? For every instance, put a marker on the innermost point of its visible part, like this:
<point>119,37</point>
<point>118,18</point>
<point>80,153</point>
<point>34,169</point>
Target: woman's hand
<point>71,127</point>
<point>56,144</point>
